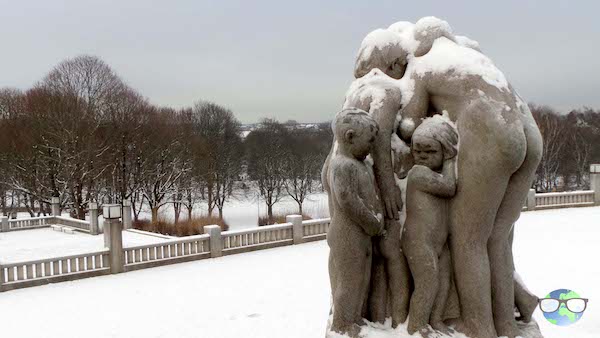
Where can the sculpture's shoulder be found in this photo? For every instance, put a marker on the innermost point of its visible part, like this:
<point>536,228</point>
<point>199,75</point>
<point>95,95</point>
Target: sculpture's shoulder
<point>418,173</point>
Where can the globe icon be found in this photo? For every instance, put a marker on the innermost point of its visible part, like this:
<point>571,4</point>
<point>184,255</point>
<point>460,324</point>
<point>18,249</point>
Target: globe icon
<point>562,316</point>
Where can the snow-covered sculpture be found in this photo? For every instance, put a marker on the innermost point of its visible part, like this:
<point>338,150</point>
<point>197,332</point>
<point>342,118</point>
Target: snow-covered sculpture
<point>430,184</point>
<point>356,216</point>
<point>409,72</point>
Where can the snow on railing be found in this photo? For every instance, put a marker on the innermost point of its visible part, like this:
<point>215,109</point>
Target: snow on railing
<point>43,271</point>
<point>192,247</point>
<point>73,223</point>
<point>254,237</point>
<point>315,227</point>
<point>28,223</point>
<point>557,199</point>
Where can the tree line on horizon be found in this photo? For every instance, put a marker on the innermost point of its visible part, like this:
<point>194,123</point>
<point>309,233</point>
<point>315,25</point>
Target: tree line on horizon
<point>83,135</point>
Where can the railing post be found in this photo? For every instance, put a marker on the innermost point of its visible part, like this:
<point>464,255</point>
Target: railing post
<point>216,240</point>
<point>94,227</point>
<point>113,233</point>
<point>297,228</point>
<point>55,206</point>
<point>595,182</point>
<point>127,214</point>
<point>1,277</point>
<point>4,227</point>
<point>531,199</point>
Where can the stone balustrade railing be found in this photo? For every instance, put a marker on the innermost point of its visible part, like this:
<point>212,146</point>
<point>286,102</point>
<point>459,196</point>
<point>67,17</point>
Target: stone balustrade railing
<point>29,223</point>
<point>56,269</point>
<point>212,244</point>
<point>564,199</point>
<point>167,252</point>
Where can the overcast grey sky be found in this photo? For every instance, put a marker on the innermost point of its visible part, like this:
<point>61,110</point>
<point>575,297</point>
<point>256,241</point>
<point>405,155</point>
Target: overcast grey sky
<point>291,59</point>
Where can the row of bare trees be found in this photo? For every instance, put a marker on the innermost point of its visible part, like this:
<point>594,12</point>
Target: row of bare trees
<point>83,135</point>
<point>285,161</point>
<point>571,144</point>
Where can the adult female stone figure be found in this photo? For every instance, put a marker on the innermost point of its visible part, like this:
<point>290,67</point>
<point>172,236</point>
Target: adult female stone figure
<point>500,150</point>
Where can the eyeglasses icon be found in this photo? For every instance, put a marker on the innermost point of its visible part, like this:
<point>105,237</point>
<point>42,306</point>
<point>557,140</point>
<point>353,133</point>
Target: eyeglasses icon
<point>575,305</point>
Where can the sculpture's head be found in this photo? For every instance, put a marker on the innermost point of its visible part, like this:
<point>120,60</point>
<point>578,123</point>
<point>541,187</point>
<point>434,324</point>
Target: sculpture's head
<point>434,141</point>
<point>355,131</point>
<point>381,49</point>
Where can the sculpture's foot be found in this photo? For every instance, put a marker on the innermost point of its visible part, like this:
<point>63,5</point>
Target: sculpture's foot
<point>429,332</point>
<point>527,308</point>
<point>458,325</point>
<point>529,330</point>
<point>399,318</point>
<point>350,331</point>
<point>441,327</point>
<point>508,330</point>
<point>524,330</point>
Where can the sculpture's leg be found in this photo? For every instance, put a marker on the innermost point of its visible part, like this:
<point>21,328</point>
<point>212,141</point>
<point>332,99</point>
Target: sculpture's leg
<point>397,271</point>
<point>399,281</point>
<point>437,314</point>
<point>525,301</point>
<point>332,279</point>
<point>377,303</point>
<point>500,247</point>
<point>352,270</point>
<point>423,263</point>
<point>472,217</point>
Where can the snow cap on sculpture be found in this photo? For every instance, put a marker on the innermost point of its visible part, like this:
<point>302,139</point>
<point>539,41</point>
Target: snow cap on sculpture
<point>429,29</point>
<point>381,49</point>
<point>467,42</point>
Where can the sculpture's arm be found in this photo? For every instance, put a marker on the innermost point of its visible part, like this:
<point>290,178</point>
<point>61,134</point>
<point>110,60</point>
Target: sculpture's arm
<point>385,115</point>
<point>345,187</point>
<point>325,179</point>
<point>440,185</point>
<point>415,110</point>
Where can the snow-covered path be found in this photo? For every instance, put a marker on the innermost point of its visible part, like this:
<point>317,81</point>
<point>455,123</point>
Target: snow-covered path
<point>281,292</point>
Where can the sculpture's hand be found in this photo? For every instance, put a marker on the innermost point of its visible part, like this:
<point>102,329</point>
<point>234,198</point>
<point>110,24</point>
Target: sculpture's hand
<point>392,198</point>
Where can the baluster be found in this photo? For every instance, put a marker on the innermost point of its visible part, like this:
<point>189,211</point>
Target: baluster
<point>105,263</point>
<point>30,271</point>
<point>20,272</point>
<point>38,270</point>
<point>10,274</point>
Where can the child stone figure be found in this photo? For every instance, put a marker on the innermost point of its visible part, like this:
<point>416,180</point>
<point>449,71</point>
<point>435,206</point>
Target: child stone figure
<point>431,182</point>
<point>356,217</point>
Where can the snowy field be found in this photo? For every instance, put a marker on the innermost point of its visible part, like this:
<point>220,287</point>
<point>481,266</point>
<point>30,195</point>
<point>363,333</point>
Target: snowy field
<point>27,245</point>
<point>242,211</point>
<point>282,292</point>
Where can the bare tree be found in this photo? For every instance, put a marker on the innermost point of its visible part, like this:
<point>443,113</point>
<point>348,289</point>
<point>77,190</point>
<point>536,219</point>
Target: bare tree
<point>552,131</point>
<point>220,166</point>
<point>162,164</point>
<point>266,158</point>
<point>303,165</point>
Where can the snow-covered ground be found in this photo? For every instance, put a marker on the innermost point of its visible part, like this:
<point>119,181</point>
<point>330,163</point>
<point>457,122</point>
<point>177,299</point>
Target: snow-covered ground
<point>282,292</point>
<point>26,245</point>
<point>242,211</point>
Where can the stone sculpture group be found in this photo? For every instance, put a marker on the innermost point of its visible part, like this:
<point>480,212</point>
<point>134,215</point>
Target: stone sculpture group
<point>430,117</point>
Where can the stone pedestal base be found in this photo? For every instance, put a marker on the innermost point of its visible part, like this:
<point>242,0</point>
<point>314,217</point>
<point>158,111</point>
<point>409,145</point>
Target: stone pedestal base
<point>375,330</point>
